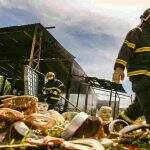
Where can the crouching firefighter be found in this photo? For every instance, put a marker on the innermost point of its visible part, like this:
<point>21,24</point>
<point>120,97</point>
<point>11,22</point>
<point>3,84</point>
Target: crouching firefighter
<point>134,55</point>
<point>52,90</point>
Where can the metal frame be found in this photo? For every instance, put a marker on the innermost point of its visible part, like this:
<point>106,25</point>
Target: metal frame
<point>30,81</point>
<point>31,40</point>
<point>110,87</point>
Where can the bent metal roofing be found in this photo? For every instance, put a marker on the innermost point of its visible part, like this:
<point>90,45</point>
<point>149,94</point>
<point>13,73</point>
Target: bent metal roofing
<point>15,49</point>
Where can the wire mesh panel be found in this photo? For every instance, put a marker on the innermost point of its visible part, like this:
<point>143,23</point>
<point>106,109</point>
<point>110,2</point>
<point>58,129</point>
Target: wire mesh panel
<point>30,81</point>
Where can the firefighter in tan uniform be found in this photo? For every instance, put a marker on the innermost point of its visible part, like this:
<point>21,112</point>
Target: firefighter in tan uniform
<point>134,55</point>
<point>52,90</point>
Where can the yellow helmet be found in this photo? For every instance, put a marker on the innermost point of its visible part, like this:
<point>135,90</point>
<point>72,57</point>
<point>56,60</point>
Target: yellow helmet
<point>50,74</point>
<point>146,15</point>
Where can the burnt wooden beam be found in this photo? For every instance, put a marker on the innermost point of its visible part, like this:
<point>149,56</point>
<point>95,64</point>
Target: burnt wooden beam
<point>13,39</point>
<point>36,48</point>
<point>30,37</point>
<point>1,44</point>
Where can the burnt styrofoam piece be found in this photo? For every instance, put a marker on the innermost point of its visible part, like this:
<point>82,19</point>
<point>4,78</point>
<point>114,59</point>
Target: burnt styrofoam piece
<point>74,125</point>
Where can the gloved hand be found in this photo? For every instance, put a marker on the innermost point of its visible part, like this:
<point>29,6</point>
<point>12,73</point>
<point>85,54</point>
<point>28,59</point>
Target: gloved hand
<point>55,93</point>
<point>118,75</point>
<point>47,91</point>
<point>44,92</point>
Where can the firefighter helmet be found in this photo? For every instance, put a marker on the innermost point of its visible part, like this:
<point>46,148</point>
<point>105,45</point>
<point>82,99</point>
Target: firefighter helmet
<point>146,15</point>
<point>50,74</point>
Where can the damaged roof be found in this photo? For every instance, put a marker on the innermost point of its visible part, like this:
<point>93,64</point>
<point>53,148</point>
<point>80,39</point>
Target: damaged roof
<point>15,49</point>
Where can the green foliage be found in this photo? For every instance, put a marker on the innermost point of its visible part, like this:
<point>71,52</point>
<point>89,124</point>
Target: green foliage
<point>7,87</point>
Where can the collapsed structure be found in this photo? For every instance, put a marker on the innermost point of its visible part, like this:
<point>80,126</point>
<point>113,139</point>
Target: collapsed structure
<point>27,53</point>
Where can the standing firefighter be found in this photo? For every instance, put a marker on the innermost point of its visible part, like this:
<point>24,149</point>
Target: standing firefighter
<point>134,55</point>
<point>52,89</point>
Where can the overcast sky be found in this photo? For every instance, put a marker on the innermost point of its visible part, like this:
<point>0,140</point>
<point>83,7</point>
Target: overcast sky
<point>91,30</point>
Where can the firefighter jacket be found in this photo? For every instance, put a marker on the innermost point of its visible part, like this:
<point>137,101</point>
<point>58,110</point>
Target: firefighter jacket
<point>135,52</point>
<point>53,88</point>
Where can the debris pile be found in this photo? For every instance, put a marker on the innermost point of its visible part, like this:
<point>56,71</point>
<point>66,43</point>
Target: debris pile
<point>26,123</point>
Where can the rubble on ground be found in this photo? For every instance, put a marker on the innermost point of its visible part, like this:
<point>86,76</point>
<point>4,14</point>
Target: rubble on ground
<point>26,123</point>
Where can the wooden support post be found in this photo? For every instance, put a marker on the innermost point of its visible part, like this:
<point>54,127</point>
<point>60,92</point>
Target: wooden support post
<point>33,47</point>
<point>39,52</point>
<point>35,54</point>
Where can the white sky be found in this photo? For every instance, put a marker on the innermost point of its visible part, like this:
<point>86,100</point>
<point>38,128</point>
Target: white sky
<point>91,30</point>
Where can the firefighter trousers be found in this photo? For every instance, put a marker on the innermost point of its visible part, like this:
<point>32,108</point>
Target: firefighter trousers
<point>141,104</point>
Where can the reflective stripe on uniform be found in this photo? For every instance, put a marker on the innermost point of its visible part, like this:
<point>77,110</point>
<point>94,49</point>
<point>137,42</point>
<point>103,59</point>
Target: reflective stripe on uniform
<point>55,98</point>
<point>129,44</point>
<point>61,85</point>
<point>139,72</point>
<point>53,88</point>
<point>122,62</point>
<point>142,49</point>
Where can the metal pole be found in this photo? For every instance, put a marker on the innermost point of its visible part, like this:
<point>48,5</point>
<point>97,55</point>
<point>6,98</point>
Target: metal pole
<point>51,27</point>
<point>118,102</point>
<point>86,98</point>
<point>79,88</point>
<point>110,98</point>
<point>114,115</point>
